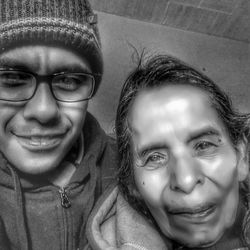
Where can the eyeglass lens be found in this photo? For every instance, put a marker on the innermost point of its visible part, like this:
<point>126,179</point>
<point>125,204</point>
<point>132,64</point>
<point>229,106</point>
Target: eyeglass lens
<point>20,86</point>
<point>72,87</point>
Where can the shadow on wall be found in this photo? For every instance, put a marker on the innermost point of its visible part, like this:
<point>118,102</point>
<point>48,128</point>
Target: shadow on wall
<point>225,61</point>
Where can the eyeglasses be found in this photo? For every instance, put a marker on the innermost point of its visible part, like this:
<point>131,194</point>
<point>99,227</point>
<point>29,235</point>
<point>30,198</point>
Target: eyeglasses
<point>16,86</point>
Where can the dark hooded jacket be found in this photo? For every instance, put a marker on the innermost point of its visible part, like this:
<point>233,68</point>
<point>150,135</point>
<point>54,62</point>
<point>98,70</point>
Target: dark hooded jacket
<point>36,215</point>
<point>115,225</point>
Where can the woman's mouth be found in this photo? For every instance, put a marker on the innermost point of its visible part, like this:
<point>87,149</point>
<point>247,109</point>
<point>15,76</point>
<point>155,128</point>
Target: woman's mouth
<point>195,213</point>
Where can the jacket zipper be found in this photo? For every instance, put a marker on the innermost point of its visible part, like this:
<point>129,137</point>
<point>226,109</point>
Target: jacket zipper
<point>65,220</point>
<point>65,202</point>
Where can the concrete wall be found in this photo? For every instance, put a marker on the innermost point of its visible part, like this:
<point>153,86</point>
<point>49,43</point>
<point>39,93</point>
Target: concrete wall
<point>226,61</point>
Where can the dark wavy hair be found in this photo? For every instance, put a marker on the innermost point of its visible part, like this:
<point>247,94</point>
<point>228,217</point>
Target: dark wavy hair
<point>154,72</point>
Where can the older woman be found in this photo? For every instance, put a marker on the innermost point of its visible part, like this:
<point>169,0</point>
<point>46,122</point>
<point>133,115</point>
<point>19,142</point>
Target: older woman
<point>183,165</point>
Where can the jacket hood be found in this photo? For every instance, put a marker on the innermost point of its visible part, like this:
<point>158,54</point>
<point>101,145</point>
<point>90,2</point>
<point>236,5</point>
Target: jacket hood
<point>114,224</point>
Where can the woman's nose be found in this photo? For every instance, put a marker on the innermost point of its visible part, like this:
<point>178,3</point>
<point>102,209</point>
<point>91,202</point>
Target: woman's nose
<point>186,174</point>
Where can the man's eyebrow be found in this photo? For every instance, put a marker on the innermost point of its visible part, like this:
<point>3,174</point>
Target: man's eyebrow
<point>12,63</point>
<point>149,148</point>
<point>72,68</point>
<point>208,131</point>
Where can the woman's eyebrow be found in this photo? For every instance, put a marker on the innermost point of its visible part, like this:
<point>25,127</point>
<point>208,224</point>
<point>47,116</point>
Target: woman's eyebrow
<point>151,147</point>
<point>207,131</point>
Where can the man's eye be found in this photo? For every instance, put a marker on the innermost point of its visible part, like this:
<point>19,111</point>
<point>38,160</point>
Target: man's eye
<point>156,160</point>
<point>68,83</point>
<point>14,79</point>
<point>205,147</point>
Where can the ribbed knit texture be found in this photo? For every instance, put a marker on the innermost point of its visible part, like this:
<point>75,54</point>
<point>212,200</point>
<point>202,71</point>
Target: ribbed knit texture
<point>69,23</point>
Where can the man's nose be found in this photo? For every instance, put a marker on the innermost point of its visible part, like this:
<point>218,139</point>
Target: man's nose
<point>186,174</point>
<point>42,106</point>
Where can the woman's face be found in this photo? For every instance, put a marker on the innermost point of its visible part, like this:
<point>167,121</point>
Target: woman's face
<point>186,168</point>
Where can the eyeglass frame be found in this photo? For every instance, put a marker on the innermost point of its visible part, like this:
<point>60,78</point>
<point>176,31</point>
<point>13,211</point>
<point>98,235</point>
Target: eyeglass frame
<point>38,78</point>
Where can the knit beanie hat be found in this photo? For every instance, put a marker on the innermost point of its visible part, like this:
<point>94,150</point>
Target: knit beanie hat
<point>68,23</point>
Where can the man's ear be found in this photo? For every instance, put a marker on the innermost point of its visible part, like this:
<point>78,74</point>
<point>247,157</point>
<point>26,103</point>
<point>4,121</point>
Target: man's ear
<point>243,159</point>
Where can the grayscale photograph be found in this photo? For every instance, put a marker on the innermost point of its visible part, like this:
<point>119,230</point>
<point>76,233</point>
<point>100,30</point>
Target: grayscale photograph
<point>124,124</point>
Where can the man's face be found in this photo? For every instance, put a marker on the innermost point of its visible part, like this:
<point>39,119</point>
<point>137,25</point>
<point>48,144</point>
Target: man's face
<point>36,135</point>
<point>185,166</point>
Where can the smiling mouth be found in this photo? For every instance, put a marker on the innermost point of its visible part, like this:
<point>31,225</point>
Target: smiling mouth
<point>40,142</point>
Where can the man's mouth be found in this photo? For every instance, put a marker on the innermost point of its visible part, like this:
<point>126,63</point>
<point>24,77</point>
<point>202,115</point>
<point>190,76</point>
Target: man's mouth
<point>38,142</point>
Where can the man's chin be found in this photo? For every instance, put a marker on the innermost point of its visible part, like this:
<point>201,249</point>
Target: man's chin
<point>34,162</point>
<point>36,166</point>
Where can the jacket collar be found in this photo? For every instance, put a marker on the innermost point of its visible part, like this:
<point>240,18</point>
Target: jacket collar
<point>114,223</point>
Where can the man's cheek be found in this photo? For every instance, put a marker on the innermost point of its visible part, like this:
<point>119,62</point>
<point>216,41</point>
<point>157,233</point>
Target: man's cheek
<point>76,112</point>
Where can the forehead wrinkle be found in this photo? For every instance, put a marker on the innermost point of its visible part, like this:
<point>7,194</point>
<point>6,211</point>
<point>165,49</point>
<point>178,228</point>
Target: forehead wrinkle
<point>43,59</point>
<point>144,144</point>
<point>174,105</point>
<point>40,61</point>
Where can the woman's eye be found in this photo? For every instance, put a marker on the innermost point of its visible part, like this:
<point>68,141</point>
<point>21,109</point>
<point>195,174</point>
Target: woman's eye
<point>156,160</point>
<point>205,147</point>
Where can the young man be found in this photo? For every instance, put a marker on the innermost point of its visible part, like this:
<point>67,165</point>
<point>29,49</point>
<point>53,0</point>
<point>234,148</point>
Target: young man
<point>53,152</point>
<point>183,173</point>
